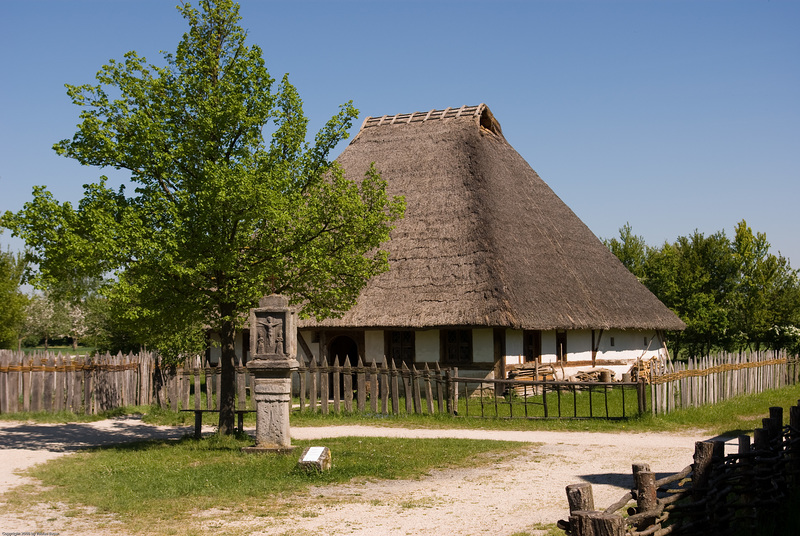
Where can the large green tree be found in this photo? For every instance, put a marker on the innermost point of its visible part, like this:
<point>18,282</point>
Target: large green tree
<point>13,300</point>
<point>732,294</point>
<point>231,201</point>
<point>630,249</point>
<point>694,276</point>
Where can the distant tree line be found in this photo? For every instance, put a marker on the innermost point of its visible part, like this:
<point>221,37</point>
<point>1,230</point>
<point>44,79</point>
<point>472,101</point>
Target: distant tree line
<point>732,293</point>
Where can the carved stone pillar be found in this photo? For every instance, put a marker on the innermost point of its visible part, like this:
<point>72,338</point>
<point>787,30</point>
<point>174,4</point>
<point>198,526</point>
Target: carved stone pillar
<point>273,344</point>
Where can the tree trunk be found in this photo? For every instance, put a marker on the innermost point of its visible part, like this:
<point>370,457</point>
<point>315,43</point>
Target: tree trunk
<point>227,389</point>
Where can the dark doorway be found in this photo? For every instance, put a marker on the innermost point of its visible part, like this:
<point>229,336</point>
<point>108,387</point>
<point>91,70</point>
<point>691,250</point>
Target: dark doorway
<point>340,348</point>
<point>561,346</point>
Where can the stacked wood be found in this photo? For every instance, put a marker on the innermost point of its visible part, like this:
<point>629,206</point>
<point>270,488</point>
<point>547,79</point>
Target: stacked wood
<point>597,374</point>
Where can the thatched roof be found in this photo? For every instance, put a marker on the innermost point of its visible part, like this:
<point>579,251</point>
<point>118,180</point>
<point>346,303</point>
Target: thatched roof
<point>485,242</point>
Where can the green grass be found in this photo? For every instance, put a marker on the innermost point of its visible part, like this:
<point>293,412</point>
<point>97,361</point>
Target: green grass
<point>735,416</point>
<point>165,484</point>
<point>731,417</point>
<point>162,484</point>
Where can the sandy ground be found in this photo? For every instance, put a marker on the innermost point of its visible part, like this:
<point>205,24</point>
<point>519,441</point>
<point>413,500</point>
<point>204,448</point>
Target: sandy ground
<point>501,498</point>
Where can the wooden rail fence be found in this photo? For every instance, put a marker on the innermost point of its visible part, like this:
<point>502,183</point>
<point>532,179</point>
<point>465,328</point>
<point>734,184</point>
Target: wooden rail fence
<point>55,382</point>
<point>389,389</point>
<point>708,380</point>
<point>551,398</point>
<point>50,382</point>
<point>715,495</point>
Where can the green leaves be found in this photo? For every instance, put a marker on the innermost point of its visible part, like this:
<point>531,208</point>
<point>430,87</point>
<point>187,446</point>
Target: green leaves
<point>732,294</point>
<point>12,312</point>
<point>230,201</point>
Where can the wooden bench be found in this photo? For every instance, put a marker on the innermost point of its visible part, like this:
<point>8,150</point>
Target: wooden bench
<point>198,419</point>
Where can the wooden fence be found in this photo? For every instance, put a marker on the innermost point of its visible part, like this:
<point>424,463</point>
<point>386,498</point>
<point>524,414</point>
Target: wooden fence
<point>50,382</point>
<point>55,382</point>
<point>708,380</point>
<point>550,399</point>
<point>389,389</point>
<point>716,495</point>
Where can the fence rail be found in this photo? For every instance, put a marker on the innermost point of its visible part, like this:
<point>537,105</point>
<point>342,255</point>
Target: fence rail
<point>708,380</point>
<point>550,399</point>
<point>716,495</point>
<point>55,382</point>
<point>50,382</point>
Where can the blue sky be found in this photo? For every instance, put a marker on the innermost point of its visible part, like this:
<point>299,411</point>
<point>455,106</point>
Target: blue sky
<point>670,115</point>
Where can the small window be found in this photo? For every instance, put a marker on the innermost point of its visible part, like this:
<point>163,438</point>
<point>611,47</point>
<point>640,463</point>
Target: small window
<point>532,341</point>
<point>400,347</point>
<point>456,346</point>
<point>612,341</point>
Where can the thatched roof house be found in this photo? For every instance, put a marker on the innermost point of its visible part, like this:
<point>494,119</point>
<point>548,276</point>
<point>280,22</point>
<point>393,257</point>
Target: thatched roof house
<point>485,243</point>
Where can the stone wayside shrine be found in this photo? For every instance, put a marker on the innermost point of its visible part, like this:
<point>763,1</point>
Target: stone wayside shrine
<point>273,337</point>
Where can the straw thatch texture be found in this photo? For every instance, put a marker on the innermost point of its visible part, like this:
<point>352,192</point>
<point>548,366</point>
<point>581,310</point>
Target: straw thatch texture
<point>485,242</point>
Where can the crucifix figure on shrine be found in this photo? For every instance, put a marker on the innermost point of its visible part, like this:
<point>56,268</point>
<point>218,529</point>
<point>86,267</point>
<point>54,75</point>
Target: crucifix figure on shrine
<point>273,334</point>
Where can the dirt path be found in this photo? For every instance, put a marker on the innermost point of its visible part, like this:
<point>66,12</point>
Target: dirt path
<point>501,498</point>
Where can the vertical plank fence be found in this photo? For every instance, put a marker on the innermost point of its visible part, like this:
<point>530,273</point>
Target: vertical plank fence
<point>711,379</point>
<point>54,382</point>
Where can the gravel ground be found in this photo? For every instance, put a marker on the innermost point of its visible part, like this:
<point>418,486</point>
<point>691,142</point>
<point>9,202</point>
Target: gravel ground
<point>501,498</point>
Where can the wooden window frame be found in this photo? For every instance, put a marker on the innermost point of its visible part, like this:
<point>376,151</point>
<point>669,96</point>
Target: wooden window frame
<point>463,340</point>
<point>407,348</point>
<point>532,346</point>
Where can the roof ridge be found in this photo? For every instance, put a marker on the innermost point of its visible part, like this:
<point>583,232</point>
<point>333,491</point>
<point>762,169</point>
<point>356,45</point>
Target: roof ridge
<point>417,117</point>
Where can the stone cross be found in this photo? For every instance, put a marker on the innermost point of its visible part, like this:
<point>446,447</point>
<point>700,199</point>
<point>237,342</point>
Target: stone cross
<point>273,335</point>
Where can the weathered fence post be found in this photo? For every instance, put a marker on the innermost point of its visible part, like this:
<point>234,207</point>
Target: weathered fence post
<point>448,382</point>
<point>701,469</point>
<point>395,383</point>
<point>415,380</point>
<point>361,385</point>
<point>580,497</point>
<point>337,378</point>
<point>641,396</point>
<point>373,387</point>
<point>347,379</point>
<point>407,388</point>
<point>313,384</point>
<point>595,523</point>
<point>426,374</point>
<point>646,497</point>
<point>384,387</point>
<point>324,385</point>
<point>439,389</point>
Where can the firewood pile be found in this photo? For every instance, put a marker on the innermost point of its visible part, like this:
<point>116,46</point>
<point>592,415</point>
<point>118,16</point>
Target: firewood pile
<point>593,375</point>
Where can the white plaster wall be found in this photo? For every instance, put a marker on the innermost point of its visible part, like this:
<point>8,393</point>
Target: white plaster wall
<point>629,345</point>
<point>373,346</point>
<point>483,345</point>
<point>579,345</point>
<point>426,346</point>
<point>308,336</point>
<point>549,346</point>
<point>514,347</point>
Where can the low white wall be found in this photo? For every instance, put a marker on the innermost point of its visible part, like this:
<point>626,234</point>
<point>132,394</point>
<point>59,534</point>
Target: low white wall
<point>426,346</point>
<point>373,346</point>
<point>483,345</point>
<point>515,350</point>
